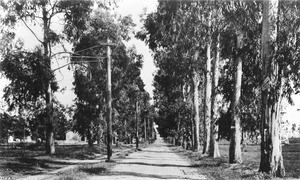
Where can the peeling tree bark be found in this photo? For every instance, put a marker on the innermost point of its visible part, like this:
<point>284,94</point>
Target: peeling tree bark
<point>50,147</point>
<point>207,104</point>
<point>271,153</point>
<point>196,82</point>
<point>235,153</point>
<point>213,143</point>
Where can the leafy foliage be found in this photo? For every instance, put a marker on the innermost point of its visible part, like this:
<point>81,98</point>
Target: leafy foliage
<point>90,76</point>
<point>29,75</point>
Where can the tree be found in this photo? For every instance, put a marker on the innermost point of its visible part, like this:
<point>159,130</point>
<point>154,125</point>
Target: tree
<point>235,154</point>
<point>272,89</point>
<point>208,134</point>
<point>91,80</point>
<point>280,65</point>
<point>217,24</point>
<point>42,14</point>
<point>240,39</point>
<point>214,149</point>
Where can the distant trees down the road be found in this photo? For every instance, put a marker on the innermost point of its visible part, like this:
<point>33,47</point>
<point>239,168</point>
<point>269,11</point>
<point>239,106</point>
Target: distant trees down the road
<point>226,64</point>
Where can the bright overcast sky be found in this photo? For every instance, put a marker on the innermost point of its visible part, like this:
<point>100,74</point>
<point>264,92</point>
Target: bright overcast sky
<point>65,77</point>
<point>135,8</point>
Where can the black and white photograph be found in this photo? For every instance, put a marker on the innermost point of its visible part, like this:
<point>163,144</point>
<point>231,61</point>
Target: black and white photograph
<point>149,89</point>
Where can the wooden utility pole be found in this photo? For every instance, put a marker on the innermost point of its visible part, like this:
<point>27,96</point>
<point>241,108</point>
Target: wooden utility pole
<point>145,125</point>
<point>148,128</point>
<point>109,106</point>
<point>137,124</point>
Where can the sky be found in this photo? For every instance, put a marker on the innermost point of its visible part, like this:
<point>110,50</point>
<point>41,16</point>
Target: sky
<point>135,8</point>
<point>65,76</point>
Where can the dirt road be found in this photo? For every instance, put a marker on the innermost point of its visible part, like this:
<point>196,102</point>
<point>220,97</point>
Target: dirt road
<point>155,162</point>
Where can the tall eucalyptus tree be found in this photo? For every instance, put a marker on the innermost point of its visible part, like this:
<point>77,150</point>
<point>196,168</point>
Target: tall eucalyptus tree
<point>280,67</point>
<point>42,14</point>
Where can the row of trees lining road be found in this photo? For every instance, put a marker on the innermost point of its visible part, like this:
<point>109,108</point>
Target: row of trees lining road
<point>223,69</point>
<point>30,92</point>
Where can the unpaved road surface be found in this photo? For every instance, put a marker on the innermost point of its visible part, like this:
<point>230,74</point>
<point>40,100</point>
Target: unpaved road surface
<point>154,162</point>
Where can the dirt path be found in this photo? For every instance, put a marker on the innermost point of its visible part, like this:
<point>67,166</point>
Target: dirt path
<point>154,162</point>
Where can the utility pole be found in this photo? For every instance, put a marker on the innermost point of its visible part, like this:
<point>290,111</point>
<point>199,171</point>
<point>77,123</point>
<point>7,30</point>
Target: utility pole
<point>137,124</point>
<point>145,125</point>
<point>109,106</point>
<point>109,93</point>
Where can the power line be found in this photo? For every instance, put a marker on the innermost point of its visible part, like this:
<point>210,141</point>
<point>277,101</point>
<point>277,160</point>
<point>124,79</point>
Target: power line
<point>100,44</point>
<point>76,62</point>
<point>87,48</point>
<point>88,57</point>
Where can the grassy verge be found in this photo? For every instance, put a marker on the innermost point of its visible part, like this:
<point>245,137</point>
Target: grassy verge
<point>85,170</point>
<point>22,161</point>
<point>219,168</point>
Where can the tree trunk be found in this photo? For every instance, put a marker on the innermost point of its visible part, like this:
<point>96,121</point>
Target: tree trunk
<point>271,153</point>
<point>207,106</point>
<point>90,137</point>
<point>208,88</point>
<point>145,127</point>
<point>149,129</point>
<point>50,145</point>
<point>235,153</point>
<point>117,139</point>
<point>213,141</point>
<point>178,138</point>
<point>192,130</point>
<point>196,82</point>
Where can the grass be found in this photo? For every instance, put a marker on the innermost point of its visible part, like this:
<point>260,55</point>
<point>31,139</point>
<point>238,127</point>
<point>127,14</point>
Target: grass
<point>29,160</point>
<point>17,162</point>
<point>291,158</point>
<point>219,168</point>
<point>83,171</point>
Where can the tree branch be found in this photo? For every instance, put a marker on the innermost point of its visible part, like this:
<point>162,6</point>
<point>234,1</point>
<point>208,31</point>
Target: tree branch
<point>31,31</point>
<point>38,17</point>
<point>53,11</point>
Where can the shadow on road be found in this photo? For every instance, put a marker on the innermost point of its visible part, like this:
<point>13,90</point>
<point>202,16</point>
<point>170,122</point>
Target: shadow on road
<point>32,166</point>
<point>143,175</point>
<point>150,151</point>
<point>150,164</point>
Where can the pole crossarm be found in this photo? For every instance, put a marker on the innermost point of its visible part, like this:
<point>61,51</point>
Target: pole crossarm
<point>74,53</point>
<point>88,57</point>
<point>78,62</point>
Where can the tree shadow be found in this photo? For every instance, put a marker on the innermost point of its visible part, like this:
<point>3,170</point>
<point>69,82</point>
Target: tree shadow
<point>169,152</point>
<point>23,168</point>
<point>142,175</point>
<point>151,164</point>
<point>209,162</point>
<point>32,166</point>
<point>94,170</point>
